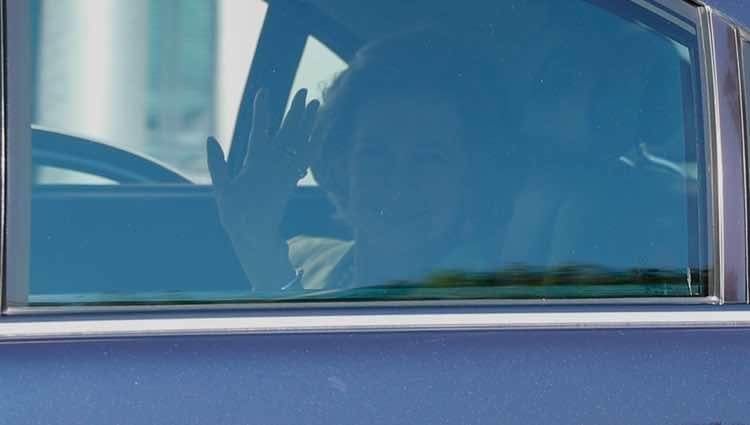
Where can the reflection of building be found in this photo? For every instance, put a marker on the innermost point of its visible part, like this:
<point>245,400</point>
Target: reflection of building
<point>142,74</point>
<point>181,62</point>
<point>91,76</point>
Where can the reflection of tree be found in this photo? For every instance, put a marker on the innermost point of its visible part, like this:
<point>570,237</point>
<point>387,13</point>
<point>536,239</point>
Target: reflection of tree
<point>532,282</point>
<point>576,274</point>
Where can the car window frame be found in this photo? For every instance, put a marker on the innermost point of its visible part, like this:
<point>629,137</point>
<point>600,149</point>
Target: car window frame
<point>727,140</point>
<point>729,285</point>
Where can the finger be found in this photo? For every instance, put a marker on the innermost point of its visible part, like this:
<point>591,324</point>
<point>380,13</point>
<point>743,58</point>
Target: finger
<point>216,165</point>
<point>261,129</point>
<point>310,142</point>
<point>259,132</point>
<point>311,112</point>
<point>296,112</point>
<point>308,122</point>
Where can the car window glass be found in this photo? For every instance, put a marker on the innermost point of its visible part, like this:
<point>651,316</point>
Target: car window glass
<point>380,151</point>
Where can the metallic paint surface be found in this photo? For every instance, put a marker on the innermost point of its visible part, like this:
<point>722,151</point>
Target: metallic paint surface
<point>629,377</point>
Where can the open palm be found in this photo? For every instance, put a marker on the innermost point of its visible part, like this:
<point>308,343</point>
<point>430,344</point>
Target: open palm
<point>251,201</point>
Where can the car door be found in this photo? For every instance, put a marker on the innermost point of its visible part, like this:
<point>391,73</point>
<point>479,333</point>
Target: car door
<point>616,203</point>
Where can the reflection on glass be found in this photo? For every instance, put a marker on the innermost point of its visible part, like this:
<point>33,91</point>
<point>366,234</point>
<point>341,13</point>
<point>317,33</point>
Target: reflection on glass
<point>152,76</point>
<point>46,175</point>
<point>317,68</point>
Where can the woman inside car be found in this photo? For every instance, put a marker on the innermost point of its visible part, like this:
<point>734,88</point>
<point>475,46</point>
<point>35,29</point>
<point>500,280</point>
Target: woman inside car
<point>405,145</point>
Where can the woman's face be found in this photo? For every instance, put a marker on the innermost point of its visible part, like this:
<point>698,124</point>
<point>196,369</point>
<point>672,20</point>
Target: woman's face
<point>407,172</point>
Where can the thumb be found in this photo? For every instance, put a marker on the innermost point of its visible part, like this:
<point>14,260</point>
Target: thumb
<point>216,164</point>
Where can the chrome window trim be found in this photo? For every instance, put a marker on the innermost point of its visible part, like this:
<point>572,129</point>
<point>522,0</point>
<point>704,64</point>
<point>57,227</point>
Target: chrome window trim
<point>3,153</point>
<point>292,307</point>
<point>709,110</point>
<point>348,322</point>
<point>665,7</point>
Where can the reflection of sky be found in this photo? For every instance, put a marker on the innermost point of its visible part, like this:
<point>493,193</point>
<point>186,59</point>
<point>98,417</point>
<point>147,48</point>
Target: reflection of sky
<point>737,9</point>
<point>317,68</point>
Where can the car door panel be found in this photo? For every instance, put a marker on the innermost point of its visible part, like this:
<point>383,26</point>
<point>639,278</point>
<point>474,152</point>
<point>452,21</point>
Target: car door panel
<point>636,376</point>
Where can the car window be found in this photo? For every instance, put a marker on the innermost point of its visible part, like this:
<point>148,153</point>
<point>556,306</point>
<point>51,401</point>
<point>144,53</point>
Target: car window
<point>315,150</point>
